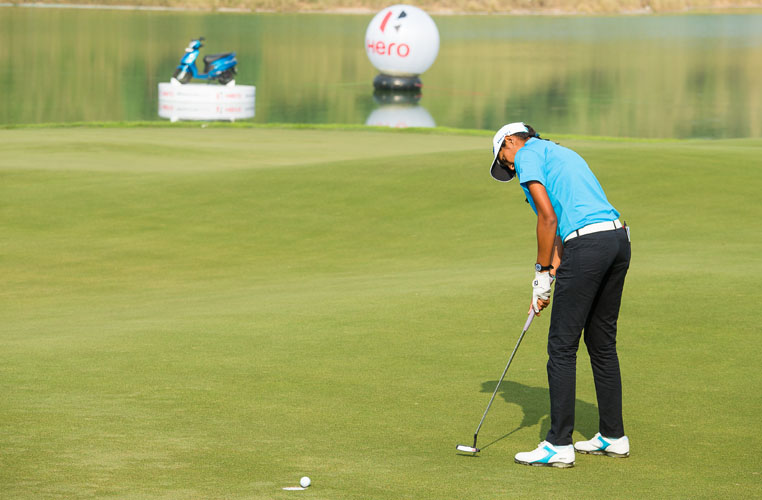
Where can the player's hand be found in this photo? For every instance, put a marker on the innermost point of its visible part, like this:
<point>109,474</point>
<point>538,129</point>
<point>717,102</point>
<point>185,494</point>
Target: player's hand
<point>542,304</point>
<point>540,291</point>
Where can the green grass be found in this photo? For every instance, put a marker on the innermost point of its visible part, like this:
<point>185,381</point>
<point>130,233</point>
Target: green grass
<point>213,313</point>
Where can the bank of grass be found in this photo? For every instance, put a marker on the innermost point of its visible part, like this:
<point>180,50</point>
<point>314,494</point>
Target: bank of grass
<point>432,6</point>
<point>214,312</point>
<point>345,127</point>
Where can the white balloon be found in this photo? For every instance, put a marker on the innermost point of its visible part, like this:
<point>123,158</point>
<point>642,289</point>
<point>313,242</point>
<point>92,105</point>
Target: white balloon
<point>402,40</point>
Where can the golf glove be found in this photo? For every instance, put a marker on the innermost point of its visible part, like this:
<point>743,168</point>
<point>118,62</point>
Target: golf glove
<point>540,289</point>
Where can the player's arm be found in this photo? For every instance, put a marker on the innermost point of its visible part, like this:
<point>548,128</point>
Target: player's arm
<point>546,223</point>
<point>558,253</point>
<point>546,238</point>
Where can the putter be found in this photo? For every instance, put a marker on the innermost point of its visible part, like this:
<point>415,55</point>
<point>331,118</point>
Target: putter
<point>473,449</point>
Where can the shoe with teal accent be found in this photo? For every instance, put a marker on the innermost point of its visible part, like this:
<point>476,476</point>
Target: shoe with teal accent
<point>599,445</point>
<point>547,455</point>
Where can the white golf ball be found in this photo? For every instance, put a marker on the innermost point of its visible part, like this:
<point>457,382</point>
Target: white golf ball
<point>305,482</point>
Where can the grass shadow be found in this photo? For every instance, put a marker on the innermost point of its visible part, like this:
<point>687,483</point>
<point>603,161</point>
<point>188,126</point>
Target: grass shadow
<point>535,404</point>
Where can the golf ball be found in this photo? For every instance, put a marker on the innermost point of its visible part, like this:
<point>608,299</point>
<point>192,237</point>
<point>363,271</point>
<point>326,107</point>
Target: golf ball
<point>305,481</point>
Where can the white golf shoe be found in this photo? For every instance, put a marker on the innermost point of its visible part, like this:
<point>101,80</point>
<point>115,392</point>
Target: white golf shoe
<point>547,455</point>
<point>599,445</point>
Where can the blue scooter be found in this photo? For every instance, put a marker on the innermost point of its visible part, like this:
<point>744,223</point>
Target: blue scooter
<point>220,67</point>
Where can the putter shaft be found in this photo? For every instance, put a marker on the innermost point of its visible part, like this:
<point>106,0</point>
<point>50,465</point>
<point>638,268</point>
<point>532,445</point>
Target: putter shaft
<point>526,327</point>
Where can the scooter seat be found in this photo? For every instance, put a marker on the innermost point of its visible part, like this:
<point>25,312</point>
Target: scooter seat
<point>213,57</point>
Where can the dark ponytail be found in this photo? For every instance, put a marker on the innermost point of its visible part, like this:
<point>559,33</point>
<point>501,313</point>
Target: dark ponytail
<point>524,136</point>
<point>527,135</point>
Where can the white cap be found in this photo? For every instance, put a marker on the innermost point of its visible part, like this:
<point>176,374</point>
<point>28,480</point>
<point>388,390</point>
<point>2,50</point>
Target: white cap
<point>497,170</point>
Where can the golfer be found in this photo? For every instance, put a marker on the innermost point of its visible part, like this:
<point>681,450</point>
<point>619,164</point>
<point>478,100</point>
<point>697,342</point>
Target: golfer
<point>584,248</point>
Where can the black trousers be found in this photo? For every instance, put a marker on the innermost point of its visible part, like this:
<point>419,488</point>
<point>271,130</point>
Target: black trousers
<point>588,293</point>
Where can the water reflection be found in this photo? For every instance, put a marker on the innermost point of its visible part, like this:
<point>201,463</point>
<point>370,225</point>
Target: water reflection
<point>639,76</point>
<point>399,109</point>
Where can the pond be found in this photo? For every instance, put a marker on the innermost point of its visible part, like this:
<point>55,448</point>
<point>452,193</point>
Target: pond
<point>676,76</point>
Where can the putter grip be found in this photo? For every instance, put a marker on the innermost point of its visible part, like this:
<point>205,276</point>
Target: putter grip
<point>529,319</point>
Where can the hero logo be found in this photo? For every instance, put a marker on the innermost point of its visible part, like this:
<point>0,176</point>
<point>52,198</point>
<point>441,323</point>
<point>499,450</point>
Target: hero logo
<point>381,48</point>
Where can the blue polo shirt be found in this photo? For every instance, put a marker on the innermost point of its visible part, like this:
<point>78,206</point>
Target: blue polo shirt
<point>575,193</point>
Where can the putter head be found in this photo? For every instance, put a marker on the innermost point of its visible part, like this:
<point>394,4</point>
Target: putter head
<point>467,449</point>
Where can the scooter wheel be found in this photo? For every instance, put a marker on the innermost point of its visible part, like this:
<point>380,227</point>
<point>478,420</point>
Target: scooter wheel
<point>182,76</point>
<point>226,76</point>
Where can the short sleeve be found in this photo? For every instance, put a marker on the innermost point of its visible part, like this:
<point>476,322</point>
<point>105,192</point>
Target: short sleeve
<point>529,166</point>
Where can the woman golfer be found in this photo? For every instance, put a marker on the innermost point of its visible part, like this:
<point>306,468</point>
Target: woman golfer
<point>583,247</point>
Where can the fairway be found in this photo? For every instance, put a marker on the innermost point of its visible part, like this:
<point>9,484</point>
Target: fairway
<point>215,312</point>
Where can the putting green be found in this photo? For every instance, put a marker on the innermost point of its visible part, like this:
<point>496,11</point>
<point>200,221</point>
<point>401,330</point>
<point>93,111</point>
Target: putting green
<point>216,312</point>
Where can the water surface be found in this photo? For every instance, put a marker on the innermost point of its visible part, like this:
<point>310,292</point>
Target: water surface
<point>640,76</point>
